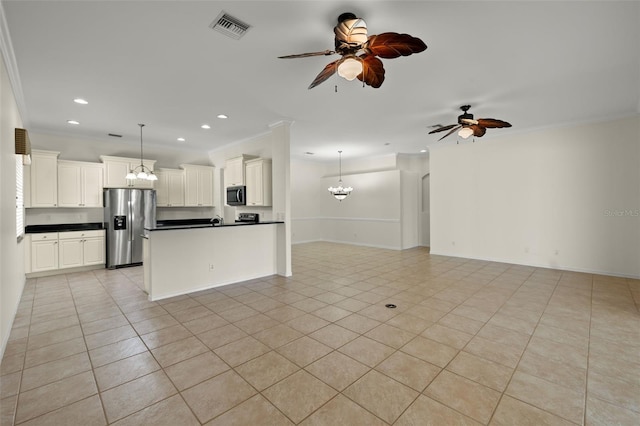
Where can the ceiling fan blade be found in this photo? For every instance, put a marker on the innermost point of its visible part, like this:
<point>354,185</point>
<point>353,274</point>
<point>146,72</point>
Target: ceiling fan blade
<point>450,131</point>
<point>492,123</point>
<point>478,130</point>
<point>443,128</point>
<point>393,45</point>
<point>372,71</point>
<point>327,72</point>
<point>306,55</point>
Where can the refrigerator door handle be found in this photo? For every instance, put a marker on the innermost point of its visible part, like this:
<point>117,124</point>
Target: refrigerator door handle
<point>130,220</point>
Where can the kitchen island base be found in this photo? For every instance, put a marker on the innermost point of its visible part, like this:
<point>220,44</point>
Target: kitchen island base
<point>182,261</point>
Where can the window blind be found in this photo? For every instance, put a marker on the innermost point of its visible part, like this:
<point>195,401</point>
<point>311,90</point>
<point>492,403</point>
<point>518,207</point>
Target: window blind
<point>19,197</point>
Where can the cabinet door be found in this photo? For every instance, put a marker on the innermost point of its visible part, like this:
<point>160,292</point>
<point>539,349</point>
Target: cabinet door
<point>114,174</point>
<point>254,184</point>
<point>191,187</point>
<point>69,185</point>
<point>162,189</point>
<point>175,185</point>
<point>44,255</point>
<point>70,255</point>
<point>205,185</point>
<point>92,179</point>
<point>44,181</point>
<point>233,172</point>
<point>93,251</point>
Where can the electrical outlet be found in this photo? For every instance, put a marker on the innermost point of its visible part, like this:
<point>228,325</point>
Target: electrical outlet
<point>211,266</point>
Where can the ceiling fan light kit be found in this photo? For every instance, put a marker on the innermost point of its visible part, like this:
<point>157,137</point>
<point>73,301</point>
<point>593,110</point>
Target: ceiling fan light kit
<point>350,67</point>
<point>361,53</point>
<point>465,132</point>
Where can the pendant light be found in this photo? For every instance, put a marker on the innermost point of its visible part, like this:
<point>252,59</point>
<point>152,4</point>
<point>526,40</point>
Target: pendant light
<point>340,192</point>
<point>145,173</point>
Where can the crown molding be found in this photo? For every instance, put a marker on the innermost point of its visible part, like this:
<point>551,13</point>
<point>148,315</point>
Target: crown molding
<point>11,65</point>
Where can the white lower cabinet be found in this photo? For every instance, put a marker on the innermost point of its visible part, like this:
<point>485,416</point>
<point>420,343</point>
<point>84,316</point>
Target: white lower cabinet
<point>61,250</point>
<point>80,248</point>
<point>44,252</point>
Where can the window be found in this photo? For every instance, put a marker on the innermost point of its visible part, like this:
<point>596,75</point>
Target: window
<point>19,197</point>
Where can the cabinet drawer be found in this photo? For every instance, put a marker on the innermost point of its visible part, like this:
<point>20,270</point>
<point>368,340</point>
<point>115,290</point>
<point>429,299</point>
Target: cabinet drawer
<point>44,236</point>
<point>80,234</point>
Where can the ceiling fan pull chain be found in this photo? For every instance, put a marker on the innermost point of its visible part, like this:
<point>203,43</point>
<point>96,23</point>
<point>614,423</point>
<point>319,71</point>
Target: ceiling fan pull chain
<point>336,88</point>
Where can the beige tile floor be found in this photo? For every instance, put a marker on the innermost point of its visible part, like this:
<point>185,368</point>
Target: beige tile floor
<point>470,342</point>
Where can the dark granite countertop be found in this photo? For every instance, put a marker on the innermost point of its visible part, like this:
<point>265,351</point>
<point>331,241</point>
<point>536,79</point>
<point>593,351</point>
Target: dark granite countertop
<point>63,227</point>
<point>198,223</point>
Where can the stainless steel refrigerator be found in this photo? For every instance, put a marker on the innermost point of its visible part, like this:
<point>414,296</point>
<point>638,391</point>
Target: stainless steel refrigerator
<point>127,211</point>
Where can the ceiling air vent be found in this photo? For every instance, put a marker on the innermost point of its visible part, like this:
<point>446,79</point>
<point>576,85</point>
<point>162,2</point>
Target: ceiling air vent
<point>229,26</point>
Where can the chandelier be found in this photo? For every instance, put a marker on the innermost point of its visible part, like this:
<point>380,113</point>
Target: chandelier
<point>339,191</point>
<point>144,173</point>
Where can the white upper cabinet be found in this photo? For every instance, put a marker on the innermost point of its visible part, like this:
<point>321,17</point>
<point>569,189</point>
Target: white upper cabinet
<point>80,184</point>
<point>234,173</point>
<point>170,188</point>
<point>116,169</point>
<point>258,174</point>
<point>44,178</point>
<point>198,185</point>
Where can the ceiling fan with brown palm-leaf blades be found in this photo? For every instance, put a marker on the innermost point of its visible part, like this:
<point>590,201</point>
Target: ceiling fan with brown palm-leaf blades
<point>360,52</point>
<point>468,126</point>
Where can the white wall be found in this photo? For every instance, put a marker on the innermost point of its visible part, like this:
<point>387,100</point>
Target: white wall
<point>382,211</point>
<point>12,278</point>
<point>370,216</point>
<point>306,205</point>
<point>565,198</point>
<point>274,144</point>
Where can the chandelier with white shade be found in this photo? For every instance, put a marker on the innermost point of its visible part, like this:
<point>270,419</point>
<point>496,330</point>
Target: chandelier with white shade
<point>340,192</point>
<point>141,172</point>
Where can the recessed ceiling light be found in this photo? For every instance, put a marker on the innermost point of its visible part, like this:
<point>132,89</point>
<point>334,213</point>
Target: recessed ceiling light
<point>80,101</point>
<point>423,150</point>
<point>222,116</point>
<point>205,126</point>
<point>181,139</point>
<point>309,153</point>
<point>73,122</point>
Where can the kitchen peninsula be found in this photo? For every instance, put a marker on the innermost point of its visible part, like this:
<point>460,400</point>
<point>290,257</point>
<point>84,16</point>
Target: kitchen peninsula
<point>181,259</point>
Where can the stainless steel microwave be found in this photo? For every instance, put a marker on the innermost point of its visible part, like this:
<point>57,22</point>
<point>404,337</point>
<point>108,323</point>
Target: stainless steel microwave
<point>236,196</point>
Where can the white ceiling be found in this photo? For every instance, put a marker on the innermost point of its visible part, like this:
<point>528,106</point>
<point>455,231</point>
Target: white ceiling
<point>535,64</point>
